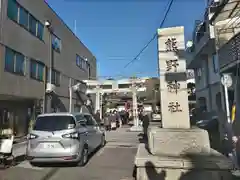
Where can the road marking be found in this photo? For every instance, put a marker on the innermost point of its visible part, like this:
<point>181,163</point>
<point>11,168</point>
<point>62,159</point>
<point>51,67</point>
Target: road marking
<point>27,165</point>
<point>100,152</point>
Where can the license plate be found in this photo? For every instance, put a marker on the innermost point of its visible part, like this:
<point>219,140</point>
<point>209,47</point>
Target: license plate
<point>49,146</point>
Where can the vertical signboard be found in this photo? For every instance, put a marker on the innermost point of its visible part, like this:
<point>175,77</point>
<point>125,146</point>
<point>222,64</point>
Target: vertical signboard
<point>173,86</point>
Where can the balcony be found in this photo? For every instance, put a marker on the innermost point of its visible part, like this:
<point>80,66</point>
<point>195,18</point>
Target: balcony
<point>203,43</point>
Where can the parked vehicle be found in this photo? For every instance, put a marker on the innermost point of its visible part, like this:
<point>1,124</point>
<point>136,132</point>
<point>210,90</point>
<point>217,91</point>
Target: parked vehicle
<point>64,137</point>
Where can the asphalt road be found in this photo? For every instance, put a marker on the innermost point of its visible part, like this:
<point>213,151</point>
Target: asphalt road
<point>113,162</point>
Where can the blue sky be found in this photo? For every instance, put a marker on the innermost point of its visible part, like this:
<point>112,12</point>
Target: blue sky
<point>116,30</point>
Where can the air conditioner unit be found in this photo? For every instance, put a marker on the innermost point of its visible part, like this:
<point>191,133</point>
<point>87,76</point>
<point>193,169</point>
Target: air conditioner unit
<point>50,88</point>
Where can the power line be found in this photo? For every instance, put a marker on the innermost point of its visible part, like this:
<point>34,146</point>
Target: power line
<point>168,7</point>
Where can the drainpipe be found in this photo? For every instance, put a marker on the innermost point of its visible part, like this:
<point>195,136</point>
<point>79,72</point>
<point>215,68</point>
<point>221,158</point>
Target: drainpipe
<point>70,95</point>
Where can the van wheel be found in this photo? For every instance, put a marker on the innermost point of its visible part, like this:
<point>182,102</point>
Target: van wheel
<point>84,157</point>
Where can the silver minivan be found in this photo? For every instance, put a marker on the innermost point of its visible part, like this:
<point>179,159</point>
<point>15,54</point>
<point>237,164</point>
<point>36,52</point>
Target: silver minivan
<point>64,137</point>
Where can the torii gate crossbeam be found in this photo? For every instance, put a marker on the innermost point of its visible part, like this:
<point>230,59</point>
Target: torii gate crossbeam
<point>101,87</point>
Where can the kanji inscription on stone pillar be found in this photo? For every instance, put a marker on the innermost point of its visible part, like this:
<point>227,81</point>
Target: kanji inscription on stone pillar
<point>174,95</point>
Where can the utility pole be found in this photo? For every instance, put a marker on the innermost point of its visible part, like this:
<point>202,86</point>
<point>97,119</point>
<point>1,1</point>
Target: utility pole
<point>70,95</point>
<point>100,104</point>
<point>97,102</point>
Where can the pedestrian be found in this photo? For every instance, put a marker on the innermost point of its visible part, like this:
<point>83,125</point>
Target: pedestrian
<point>145,124</point>
<point>107,122</point>
<point>113,120</point>
<point>97,117</point>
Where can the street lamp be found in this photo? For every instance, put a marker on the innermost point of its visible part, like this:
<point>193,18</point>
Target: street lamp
<point>48,26</point>
<point>49,88</point>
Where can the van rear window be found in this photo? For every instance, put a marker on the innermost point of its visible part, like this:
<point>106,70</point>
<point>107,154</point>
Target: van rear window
<point>54,123</point>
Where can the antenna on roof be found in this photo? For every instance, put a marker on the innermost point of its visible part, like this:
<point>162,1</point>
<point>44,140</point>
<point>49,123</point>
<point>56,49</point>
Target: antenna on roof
<point>75,27</point>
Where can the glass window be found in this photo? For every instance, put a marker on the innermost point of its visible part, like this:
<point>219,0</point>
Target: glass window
<point>20,65</point>
<point>32,25</point>
<point>9,60</point>
<point>80,118</point>
<point>40,71</point>
<point>12,10</point>
<point>36,70</point>
<point>33,69</point>
<point>40,30</point>
<point>23,17</point>
<point>78,60</point>
<point>81,62</point>
<point>89,122</point>
<point>89,71</point>
<point>54,123</point>
<point>57,76</point>
<point>53,76</point>
<point>56,43</point>
<point>215,63</point>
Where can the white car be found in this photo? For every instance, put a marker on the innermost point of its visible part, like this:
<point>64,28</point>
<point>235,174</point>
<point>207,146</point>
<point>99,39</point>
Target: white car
<point>64,137</point>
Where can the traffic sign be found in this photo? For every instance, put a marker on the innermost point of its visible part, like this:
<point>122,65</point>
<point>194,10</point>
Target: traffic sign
<point>226,80</point>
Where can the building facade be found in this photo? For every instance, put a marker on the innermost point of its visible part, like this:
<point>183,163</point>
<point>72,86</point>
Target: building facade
<point>203,59</point>
<point>32,53</point>
<point>215,51</point>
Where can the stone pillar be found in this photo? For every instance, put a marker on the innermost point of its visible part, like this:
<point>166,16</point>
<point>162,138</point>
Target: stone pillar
<point>97,102</point>
<point>134,105</point>
<point>177,151</point>
<point>136,126</point>
<point>100,105</point>
<point>173,86</point>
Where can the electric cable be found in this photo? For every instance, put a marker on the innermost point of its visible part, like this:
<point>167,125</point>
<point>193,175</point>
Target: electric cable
<point>168,8</point>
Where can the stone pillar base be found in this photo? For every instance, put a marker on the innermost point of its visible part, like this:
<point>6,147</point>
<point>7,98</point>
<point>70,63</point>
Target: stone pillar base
<point>177,141</point>
<point>199,166</point>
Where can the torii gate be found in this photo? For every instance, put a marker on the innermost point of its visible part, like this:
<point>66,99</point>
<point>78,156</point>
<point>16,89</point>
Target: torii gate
<point>99,87</point>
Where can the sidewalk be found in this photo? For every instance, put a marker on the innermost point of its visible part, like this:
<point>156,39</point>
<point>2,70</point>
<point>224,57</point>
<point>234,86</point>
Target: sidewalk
<point>19,139</point>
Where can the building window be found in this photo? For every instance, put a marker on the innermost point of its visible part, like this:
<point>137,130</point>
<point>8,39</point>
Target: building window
<point>215,63</point>
<point>40,29</point>
<point>36,70</point>
<point>12,10</point>
<point>55,77</point>
<point>82,63</point>
<point>14,62</point>
<point>32,25</point>
<point>9,60</point>
<point>23,17</point>
<point>56,43</point>
<point>89,71</point>
<point>19,63</point>
<point>78,60</point>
